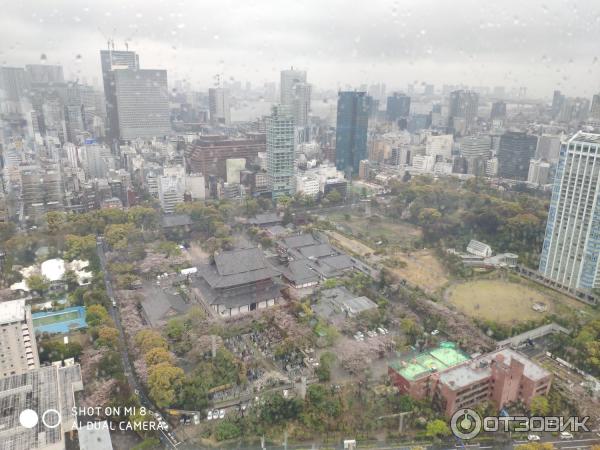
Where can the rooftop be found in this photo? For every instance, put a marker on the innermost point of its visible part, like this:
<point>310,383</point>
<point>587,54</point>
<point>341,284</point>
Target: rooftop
<point>265,219</point>
<point>95,437</point>
<point>480,368</point>
<point>339,301</point>
<point>239,261</point>
<point>412,367</point>
<point>301,240</point>
<point>53,269</point>
<point>176,220</point>
<point>41,389</point>
<point>590,138</point>
<point>12,311</point>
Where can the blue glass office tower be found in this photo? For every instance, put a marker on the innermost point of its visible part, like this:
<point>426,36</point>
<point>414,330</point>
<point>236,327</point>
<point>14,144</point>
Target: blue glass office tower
<point>351,132</point>
<point>572,243</point>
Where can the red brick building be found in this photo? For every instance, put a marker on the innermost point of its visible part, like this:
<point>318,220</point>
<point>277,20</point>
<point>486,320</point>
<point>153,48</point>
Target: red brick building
<point>503,376</point>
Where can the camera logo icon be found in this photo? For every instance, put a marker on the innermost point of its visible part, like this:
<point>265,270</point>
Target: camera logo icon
<point>29,418</point>
<point>466,424</point>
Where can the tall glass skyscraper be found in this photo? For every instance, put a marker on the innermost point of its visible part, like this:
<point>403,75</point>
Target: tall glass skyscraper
<point>572,242</point>
<point>111,60</point>
<point>351,132</point>
<point>281,149</point>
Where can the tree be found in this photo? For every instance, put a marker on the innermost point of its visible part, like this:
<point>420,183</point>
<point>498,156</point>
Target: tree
<point>119,236</point>
<point>539,406</point>
<point>108,337</point>
<point>284,201</point>
<point>164,381</point>
<point>80,247</point>
<point>51,350</point>
<point>146,340</point>
<point>168,248</point>
<point>227,430</point>
<point>7,230</point>
<point>150,443</point>
<point>158,355</point>
<point>96,315</point>
<point>277,409</point>
<point>111,365</point>
<point>334,197</point>
<point>56,221</point>
<point>535,446</point>
<point>38,283</point>
<point>437,428</point>
<point>71,279</point>
<point>175,329</point>
<point>143,217</point>
<point>323,372</point>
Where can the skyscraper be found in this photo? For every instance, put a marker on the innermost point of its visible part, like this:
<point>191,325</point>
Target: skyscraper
<point>219,106</point>
<point>463,110</point>
<point>13,84</point>
<point>351,131</point>
<point>595,110</point>
<point>498,110</point>
<point>398,106</point>
<point>572,241</point>
<point>45,74</point>
<point>515,151</point>
<point>111,60</point>
<point>281,149</point>
<point>295,96</point>
<point>142,103</point>
<point>289,78</point>
<point>476,150</point>
<point>557,102</point>
<point>301,104</point>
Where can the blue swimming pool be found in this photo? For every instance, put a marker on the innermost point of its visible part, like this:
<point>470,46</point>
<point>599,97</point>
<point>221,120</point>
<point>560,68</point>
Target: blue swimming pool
<point>59,322</point>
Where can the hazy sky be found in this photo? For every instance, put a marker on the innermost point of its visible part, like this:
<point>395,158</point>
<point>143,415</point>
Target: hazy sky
<point>539,44</point>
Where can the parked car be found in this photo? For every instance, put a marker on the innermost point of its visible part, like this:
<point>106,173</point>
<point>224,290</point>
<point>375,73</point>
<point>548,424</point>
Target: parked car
<point>533,437</point>
<point>209,415</point>
<point>566,435</point>
<point>435,332</point>
<point>222,414</point>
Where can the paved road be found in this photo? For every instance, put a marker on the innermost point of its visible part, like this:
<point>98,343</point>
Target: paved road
<point>169,440</point>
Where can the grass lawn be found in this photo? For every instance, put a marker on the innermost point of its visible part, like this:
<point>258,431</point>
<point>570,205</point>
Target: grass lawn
<point>506,302</point>
<point>421,268</point>
<point>373,230</point>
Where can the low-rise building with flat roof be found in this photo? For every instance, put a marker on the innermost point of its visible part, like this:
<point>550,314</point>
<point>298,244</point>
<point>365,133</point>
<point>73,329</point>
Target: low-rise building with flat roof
<point>412,372</point>
<point>18,353</point>
<point>50,393</point>
<point>455,381</point>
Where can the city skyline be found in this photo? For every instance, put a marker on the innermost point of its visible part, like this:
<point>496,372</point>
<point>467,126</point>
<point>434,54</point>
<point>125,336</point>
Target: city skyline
<point>523,45</point>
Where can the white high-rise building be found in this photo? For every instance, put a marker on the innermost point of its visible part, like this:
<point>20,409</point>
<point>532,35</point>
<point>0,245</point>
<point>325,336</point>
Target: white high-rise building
<point>491,167</point>
<point>308,185</point>
<point>439,146</point>
<point>219,106</point>
<point>281,151</point>
<point>572,242</point>
<point>295,95</point>
<point>423,163</point>
<point>233,167</point>
<point>289,78</point>
<point>195,186</point>
<point>539,172</point>
<point>171,190</point>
